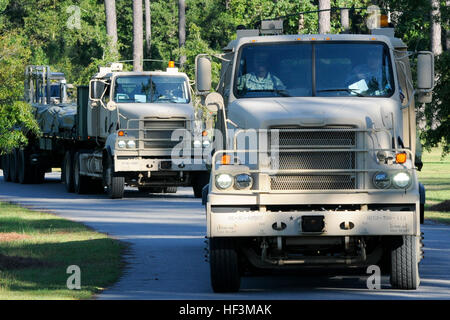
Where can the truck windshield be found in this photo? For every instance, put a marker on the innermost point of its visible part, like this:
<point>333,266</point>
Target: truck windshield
<point>314,69</point>
<point>151,89</point>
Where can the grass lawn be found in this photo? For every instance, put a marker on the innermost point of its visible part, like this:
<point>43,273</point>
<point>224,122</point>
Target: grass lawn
<point>435,175</point>
<point>36,249</point>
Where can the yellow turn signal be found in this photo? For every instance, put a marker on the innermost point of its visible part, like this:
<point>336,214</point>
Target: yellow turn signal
<point>400,157</point>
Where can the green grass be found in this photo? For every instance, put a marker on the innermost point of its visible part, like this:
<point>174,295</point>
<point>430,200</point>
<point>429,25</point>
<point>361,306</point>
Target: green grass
<point>52,244</point>
<point>435,175</point>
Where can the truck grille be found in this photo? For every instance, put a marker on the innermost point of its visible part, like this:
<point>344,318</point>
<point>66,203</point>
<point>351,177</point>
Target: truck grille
<point>318,159</point>
<point>160,132</point>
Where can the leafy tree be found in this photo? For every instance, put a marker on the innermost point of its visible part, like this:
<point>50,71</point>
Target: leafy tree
<point>13,113</point>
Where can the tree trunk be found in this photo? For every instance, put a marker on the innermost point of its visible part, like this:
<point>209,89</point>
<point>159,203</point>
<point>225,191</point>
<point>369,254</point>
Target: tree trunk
<point>324,17</point>
<point>138,37</point>
<point>447,30</point>
<point>345,21</point>
<point>111,25</point>
<point>148,28</point>
<point>436,45</point>
<point>182,28</point>
<point>301,23</point>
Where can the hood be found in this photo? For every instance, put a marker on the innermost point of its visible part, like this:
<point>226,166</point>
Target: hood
<point>155,110</point>
<point>265,113</point>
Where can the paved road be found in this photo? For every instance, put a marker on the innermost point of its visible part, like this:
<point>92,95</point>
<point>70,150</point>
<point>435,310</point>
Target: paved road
<point>166,260</point>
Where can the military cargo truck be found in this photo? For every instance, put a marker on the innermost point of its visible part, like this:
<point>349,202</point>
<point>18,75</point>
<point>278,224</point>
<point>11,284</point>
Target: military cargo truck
<point>119,132</point>
<point>314,162</point>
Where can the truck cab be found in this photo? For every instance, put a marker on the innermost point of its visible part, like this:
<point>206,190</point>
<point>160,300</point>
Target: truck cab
<point>138,118</point>
<point>314,161</point>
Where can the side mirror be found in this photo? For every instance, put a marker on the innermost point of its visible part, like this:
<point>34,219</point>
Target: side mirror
<point>214,102</point>
<point>202,74</point>
<point>425,71</point>
<point>96,89</point>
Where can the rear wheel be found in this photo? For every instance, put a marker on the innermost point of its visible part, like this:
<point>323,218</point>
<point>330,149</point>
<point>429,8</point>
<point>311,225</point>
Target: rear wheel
<point>224,266</point>
<point>38,174</point>
<point>67,172</point>
<point>25,170</point>
<point>6,169</point>
<point>405,264</point>
<point>80,182</point>
<point>13,165</point>
<point>114,185</point>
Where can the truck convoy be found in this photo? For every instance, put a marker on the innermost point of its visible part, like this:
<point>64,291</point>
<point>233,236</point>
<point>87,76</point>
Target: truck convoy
<point>314,162</point>
<point>119,132</point>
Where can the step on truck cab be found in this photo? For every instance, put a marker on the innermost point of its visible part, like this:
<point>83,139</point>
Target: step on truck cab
<point>314,162</point>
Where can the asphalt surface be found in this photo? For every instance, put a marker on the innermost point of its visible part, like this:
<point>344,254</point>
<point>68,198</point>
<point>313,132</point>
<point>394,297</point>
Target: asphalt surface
<point>166,258</point>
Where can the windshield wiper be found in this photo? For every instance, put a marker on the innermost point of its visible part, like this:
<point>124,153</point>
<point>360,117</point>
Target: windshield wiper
<point>282,93</point>
<point>344,89</point>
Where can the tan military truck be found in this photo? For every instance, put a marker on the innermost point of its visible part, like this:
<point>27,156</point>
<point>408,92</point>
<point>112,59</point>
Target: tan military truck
<point>314,162</point>
<point>126,128</point>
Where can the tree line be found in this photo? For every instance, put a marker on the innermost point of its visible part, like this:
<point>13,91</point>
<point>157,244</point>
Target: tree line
<point>76,36</point>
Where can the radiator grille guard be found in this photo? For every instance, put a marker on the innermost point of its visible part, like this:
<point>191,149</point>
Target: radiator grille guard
<point>156,134</point>
<point>312,139</point>
<point>312,159</point>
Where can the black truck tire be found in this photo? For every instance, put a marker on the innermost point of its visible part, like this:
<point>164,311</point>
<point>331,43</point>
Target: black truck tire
<point>199,180</point>
<point>224,266</point>
<point>405,265</point>
<point>5,167</point>
<point>24,168</point>
<point>67,171</point>
<point>80,182</point>
<point>114,185</point>
<point>38,174</point>
<point>13,165</point>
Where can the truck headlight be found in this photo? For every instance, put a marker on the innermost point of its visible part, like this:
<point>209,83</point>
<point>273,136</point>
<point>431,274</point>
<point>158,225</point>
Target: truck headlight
<point>206,143</point>
<point>243,181</point>
<point>401,180</point>
<point>381,180</point>
<point>121,144</point>
<point>131,144</point>
<point>197,144</point>
<point>224,180</point>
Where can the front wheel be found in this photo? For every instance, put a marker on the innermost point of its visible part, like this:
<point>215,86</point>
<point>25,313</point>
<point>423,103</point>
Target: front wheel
<point>224,266</point>
<point>114,185</point>
<point>405,264</point>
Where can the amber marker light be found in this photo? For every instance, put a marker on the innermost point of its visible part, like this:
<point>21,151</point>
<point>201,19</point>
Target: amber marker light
<point>171,64</point>
<point>226,159</point>
<point>121,133</point>
<point>400,157</point>
<point>204,133</point>
<point>384,20</point>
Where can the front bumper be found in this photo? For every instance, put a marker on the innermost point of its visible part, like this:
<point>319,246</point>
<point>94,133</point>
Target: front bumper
<point>130,164</point>
<point>336,223</point>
